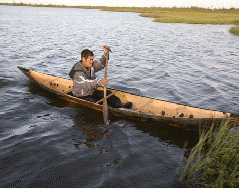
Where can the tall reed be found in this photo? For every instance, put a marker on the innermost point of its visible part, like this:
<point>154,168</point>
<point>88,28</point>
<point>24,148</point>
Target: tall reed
<point>214,161</point>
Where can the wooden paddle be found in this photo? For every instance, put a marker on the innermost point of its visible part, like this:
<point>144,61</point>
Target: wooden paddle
<point>105,106</point>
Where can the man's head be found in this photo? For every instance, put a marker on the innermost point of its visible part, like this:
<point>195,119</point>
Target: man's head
<point>87,57</point>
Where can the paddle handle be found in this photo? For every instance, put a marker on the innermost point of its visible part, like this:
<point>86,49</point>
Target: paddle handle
<point>106,65</point>
<point>105,106</point>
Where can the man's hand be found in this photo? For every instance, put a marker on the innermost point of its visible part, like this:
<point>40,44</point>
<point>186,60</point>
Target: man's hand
<point>105,49</point>
<point>104,81</point>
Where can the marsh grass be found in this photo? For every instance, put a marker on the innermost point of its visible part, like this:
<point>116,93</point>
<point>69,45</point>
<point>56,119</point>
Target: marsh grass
<point>214,161</point>
<point>192,15</point>
<point>234,30</point>
<point>194,18</point>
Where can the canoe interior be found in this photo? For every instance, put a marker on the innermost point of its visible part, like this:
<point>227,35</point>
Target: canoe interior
<point>145,105</point>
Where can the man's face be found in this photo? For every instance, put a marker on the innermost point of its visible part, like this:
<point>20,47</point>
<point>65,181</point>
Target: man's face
<point>88,62</point>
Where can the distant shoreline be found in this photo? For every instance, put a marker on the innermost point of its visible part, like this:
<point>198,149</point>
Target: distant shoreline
<point>192,15</point>
<point>100,7</point>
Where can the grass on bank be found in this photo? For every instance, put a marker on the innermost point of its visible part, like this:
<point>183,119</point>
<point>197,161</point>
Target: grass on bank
<point>214,161</point>
<point>194,18</point>
<point>234,30</point>
<point>192,15</point>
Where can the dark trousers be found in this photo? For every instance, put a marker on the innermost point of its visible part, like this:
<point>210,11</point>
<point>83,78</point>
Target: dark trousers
<point>97,95</point>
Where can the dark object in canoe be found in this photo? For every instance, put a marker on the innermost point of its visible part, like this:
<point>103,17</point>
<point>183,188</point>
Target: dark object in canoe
<point>144,108</point>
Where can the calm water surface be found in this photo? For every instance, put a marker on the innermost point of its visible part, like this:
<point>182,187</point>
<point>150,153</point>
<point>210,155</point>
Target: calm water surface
<point>47,142</point>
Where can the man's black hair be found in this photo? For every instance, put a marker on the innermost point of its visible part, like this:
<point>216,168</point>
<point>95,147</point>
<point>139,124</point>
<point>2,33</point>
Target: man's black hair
<point>86,53</point>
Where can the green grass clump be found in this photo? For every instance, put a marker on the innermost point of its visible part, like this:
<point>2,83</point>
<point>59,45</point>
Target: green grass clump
<point>214,161</point>
<point>234,30</point>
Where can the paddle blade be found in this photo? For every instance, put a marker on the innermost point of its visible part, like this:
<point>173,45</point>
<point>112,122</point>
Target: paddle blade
<point>105,112</point>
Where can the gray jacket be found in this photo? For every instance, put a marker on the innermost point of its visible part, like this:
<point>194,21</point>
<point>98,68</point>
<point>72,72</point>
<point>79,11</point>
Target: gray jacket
<point>84,79</point>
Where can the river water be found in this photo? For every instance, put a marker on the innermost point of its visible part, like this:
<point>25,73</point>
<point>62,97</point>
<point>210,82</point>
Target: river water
<point>47,142</point>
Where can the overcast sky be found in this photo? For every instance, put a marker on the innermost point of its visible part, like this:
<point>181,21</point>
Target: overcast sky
<point>138,3</point>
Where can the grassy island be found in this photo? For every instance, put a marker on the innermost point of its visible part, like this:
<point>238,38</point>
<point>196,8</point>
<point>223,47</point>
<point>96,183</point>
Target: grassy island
<point>193,15</point>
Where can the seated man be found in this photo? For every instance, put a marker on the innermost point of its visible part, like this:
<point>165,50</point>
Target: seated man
<point>85,82</point>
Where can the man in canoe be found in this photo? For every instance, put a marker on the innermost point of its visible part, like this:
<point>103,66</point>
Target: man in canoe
<point>85,83</point>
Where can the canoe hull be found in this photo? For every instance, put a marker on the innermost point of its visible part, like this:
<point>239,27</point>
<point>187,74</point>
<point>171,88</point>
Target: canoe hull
<point>143,107</point>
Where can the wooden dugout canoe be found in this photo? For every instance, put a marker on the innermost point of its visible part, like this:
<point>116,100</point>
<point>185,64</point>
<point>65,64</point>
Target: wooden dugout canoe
<point>144,108</point>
